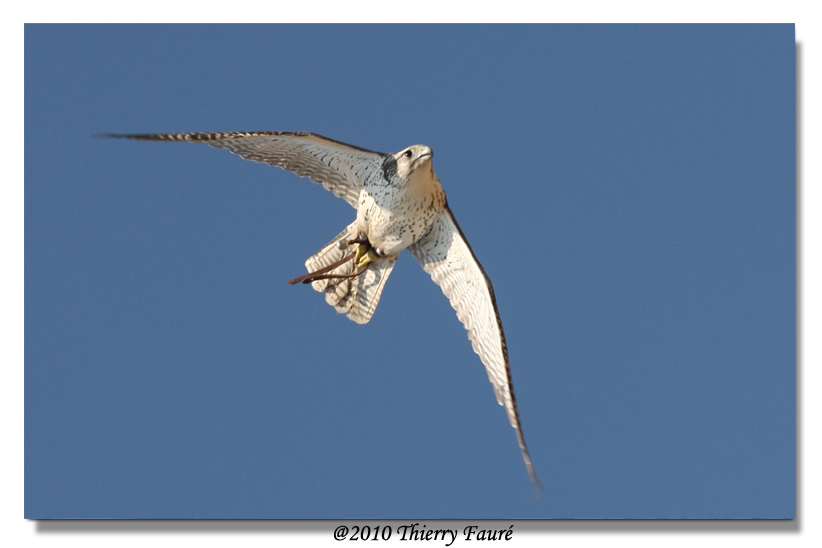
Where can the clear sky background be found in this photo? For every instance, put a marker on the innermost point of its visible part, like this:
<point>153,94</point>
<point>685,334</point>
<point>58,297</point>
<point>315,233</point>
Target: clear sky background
<point>629,190</point>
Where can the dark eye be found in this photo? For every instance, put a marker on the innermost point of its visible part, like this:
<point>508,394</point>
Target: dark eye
<point>408,153</point>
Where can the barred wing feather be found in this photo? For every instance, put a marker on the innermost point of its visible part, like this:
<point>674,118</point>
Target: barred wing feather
<point>339,167</point>
<point>446,255</point>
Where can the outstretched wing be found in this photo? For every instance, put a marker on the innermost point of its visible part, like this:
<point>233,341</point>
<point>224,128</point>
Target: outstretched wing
<point>339,167</point>
<point>445,254</point>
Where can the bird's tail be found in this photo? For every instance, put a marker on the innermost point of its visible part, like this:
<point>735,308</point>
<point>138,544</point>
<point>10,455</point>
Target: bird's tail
<point>356,297</point>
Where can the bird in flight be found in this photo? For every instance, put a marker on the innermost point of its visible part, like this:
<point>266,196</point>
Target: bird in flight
<point>400,205</point>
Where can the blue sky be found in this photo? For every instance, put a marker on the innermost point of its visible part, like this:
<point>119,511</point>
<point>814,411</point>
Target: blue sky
<point>630,190</point>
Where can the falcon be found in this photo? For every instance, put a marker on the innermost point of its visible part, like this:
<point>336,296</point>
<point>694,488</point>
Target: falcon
<point>400,205</point>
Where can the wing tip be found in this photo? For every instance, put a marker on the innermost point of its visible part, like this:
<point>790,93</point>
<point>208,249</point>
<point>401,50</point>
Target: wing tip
<point>138,136</point>
<point>147,136</point>
<point>538,486</point>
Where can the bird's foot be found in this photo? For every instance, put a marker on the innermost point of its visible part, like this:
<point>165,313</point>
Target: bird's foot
<point>364,254</point>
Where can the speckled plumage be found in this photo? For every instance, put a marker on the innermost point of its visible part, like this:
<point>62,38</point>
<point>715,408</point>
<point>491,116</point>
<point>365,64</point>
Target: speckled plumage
<point>400,205</point>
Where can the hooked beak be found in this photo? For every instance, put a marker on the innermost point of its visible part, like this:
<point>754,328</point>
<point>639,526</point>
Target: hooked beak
<point>427,155</point>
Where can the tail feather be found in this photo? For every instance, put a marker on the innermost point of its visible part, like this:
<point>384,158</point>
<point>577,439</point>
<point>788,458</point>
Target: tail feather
<point>357,297</point>
<point>330,254</point>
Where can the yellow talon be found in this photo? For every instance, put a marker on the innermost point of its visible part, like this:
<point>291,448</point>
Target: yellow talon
<point>359,251</point>
<point>364,254</point>
<point>367,258</point>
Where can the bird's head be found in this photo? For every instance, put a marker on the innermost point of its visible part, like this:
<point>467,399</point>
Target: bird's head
<point>412,159</point>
